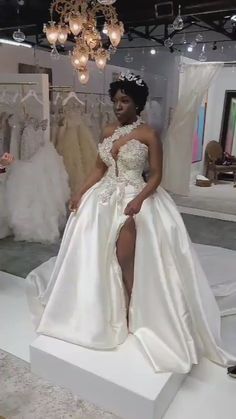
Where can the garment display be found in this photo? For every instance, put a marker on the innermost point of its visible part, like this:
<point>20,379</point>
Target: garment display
<point>37,188</point>
<point>74,142</point>
<point>173,313</point>
<point>4,133</point>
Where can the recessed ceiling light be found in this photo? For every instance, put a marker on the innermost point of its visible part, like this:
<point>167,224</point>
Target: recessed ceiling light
<point>153,51</point>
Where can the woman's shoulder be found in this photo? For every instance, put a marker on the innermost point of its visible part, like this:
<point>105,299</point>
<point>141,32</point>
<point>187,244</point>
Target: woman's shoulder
<point>148,133</point>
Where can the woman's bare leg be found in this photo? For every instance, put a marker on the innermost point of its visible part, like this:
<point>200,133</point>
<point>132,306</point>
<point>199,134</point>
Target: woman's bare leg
<point>126,253</point>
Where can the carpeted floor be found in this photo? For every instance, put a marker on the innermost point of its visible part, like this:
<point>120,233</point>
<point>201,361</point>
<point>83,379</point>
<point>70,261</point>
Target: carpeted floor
<point>220,198</point>
<point>25,396</point>
<point>19,258</point>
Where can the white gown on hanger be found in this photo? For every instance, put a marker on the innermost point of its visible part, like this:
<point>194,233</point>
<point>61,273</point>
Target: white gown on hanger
<point>37,190</point>
<point>173,312</point>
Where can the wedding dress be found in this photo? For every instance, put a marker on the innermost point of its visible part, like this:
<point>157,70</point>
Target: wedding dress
<point>75,144</point>
<point>173,313</point>
<point>37,189</point>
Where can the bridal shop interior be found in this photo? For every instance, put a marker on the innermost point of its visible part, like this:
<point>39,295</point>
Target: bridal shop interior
<point>52,115</point>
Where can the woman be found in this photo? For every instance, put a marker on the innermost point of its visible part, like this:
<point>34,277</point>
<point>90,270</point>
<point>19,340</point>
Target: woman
<point>126,264</point>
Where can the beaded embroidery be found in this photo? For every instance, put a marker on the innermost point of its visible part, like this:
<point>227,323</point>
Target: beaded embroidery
<point>130,162</point>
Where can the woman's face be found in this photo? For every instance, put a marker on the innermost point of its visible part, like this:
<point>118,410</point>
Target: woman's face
<point>124,108</point>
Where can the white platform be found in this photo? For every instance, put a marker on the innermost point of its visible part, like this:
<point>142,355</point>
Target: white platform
<point>16,328</point>
<point>121,381</point>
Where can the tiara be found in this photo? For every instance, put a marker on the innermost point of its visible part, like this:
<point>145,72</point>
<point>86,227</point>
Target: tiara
<point>131,77</point>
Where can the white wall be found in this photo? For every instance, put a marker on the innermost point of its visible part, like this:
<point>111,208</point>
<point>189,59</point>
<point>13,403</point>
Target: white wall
<point>62,69</point>
<point>225,80</point>
<point>163,68</point>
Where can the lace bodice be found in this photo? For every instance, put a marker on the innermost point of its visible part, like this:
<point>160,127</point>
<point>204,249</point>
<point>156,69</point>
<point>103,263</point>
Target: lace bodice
<point>128,167</point>
<point>31,141</point>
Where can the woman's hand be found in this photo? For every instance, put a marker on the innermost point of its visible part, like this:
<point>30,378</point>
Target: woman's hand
<point>75,203</point>
<point>133,207</point>
<point>6,159</point>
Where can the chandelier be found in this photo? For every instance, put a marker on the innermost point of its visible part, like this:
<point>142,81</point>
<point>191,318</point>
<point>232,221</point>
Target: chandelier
<point>79,18</point>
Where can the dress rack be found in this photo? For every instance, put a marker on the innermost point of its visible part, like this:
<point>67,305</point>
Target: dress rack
<point>69,89</point>
<point>19,83</point>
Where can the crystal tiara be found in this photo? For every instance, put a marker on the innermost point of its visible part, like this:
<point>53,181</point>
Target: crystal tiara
<point>131,77</point>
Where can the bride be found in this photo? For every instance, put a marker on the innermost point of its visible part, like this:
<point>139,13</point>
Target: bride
<point>126,263</point>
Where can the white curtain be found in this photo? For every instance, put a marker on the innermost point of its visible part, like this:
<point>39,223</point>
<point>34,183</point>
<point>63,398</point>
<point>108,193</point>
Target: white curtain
<point>179,138</point>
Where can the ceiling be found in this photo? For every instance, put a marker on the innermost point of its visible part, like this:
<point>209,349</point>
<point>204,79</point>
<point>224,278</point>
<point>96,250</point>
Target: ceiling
<point>147,19</point>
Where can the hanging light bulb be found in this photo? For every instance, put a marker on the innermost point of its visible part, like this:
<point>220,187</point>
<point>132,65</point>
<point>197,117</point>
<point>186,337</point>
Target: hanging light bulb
<point>101,58</point>
<point>193,44</point>
<point>105,29</point>
<point>199,37</point>
<point>168,43</point>
<point>106,2</point>
<point>18,36</point>
<point>184,40</point>
<point>63,32</point>
<point>112,50</point>
<point>51,32</point>
<point>178,23</point>
<point>203,56</point>
<point>128,58</point>
<point>55,54</point>
<point>76,24</point>
<point>80,56</point>
<point>83,75</point>
<point>115,33</point>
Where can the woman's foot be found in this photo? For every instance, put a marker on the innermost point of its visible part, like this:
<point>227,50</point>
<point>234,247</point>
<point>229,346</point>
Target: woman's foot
<point>232,371</point>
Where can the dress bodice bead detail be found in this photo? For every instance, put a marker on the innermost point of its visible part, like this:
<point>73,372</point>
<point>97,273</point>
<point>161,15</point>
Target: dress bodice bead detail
<point>126,170</point>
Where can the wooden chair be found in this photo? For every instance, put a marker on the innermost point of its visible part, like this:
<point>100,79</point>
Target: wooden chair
<point>214,153</point>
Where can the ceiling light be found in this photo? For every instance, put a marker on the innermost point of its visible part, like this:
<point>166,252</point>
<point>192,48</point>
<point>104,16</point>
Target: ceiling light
<point>105,29</point>
<point>203,56</point>
<point>18,44</point>
<point>18,36</point>
<point>190,48</point>
<point>153,51</point>
<point>80,18</point>
<point>233,18</point>
<point>178,23</point>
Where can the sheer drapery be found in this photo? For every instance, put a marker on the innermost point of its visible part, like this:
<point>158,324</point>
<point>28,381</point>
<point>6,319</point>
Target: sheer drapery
<point>179,138</point>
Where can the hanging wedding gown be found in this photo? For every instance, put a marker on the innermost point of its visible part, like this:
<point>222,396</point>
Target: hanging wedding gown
<point>75,144</point>
<point>37,189</point>
<point>173,312</point>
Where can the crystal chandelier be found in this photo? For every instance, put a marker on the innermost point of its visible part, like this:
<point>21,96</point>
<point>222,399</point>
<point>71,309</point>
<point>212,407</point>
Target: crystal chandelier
<point>79,18</point>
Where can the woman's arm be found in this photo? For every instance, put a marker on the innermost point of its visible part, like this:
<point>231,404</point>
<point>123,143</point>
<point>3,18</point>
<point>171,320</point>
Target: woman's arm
<point>6,159</point>
<point>96,175</point>
<point>155,165</point>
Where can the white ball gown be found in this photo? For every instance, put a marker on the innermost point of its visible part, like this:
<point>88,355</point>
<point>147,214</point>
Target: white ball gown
<point>173,313</point>
<point>37,190</point>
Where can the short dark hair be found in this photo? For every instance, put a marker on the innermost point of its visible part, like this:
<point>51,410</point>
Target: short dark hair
<point>139,93</point>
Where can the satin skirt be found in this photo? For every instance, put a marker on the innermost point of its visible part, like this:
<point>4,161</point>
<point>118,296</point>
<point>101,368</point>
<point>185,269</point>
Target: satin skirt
<point>173,312</point>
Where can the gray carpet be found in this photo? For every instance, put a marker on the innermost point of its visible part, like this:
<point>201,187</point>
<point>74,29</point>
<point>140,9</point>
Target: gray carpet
<point>211,231</point>
<point>19,258</point>
<point>25,396</point>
